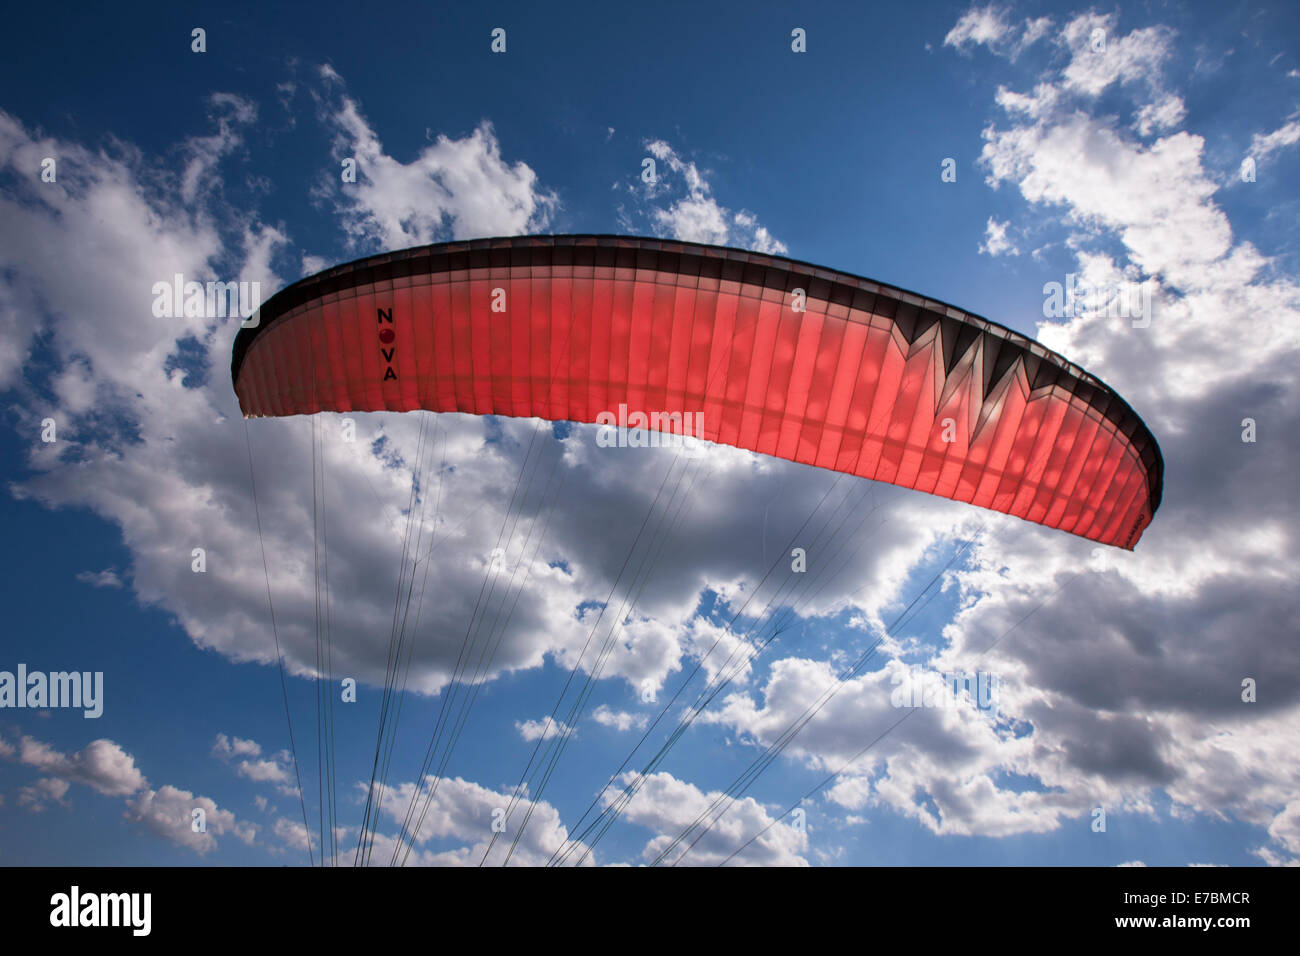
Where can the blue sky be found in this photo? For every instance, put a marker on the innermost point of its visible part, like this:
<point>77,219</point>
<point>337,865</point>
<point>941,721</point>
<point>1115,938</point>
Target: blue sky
<point>1120,674</point>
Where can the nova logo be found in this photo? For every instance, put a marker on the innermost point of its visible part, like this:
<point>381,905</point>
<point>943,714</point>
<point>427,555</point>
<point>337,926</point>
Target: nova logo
<point>386,338</point>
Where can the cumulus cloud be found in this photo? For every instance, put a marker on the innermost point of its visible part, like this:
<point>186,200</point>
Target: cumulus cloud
<point>1159,116</point>
<point>455,188</point>
<point>978,26</point>
<point>667,806</point>
<point>1156,199</point>
<point>1100,57</point>
<point>179,445</point>
<point>1121,678</point>
<point>36,796</point>
<point>276,769</point>
<point>293,835</point>
<point>1116,684</point>
<point>620,720</point>
<point>991,26</point>
<point>1264,145</point>
<point>230,115</point>
<point>543,729</point>
<point>101,765</point>
<point>462,814</point>
<point>1119,673</point>
<point>995,241</point>
<point>169,813</point>
<point>314,264</point>
<point>265,771</point>
<point>107,769</point>
<point>226,747</point>
<point>680,204</point>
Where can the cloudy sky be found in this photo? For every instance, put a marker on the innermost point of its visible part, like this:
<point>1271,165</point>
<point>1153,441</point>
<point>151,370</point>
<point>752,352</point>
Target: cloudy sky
<point>1144,146</point>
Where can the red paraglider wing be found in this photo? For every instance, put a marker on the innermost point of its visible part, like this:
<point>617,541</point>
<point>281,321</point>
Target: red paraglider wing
<point>776,356</point>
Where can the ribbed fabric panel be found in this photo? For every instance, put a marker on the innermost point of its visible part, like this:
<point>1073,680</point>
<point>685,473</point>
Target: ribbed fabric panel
<point>866,380</point>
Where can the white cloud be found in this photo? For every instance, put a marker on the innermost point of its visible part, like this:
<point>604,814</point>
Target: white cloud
<point>101,765</point>
<point>1137,58</point>
<point>169,464</point>
<point>264,771</point>
<point>314,264</point>
<point>293,835</point>
<point>620,720</point>
<point>230,114</point>
<point>1264,145</point>
<point>464,813</point>
<point>1107,673</point>
<point>697,216</point>
<point>1156,198</point>
<point>1285,829</point>
<point>226,747</point>
<point>1160,116</point>
<point>990,26</point>
<point>1044,99</point>
<point>276,769</point>
<point>454,189</point>
<point>100,579</point>
<point>106,768</point>
<point>1167,630</point>
<point>667,806</point>
<point>543,729</point>
<point>182,477</point>
<point>168,813</point>
<point>985,26</point>
<point>995,241</point>
<point>1154,632</point>
<point>697,219</point>
<point>36,796</point>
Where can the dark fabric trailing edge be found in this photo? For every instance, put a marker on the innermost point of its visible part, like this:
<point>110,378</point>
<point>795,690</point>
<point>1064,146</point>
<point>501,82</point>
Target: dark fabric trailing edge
<point>912,313</point>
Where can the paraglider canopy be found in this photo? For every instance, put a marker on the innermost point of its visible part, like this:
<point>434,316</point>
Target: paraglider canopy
<point>776,356</point>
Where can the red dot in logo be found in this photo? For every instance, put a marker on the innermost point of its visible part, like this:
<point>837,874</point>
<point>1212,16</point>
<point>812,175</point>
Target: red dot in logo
<point>386,335</point>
